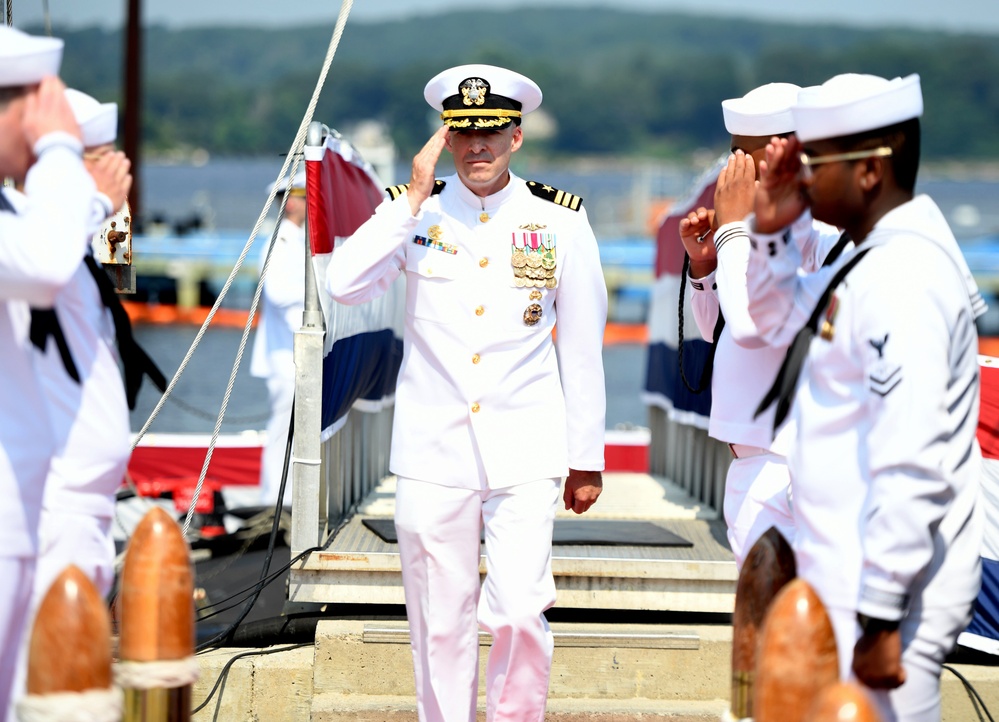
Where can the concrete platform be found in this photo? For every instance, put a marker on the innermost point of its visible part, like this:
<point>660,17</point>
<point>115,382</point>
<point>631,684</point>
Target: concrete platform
<point>359,567</point>
<point>362,672</point>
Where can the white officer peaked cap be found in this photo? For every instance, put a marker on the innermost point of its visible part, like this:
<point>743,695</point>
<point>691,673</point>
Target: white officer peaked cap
<point>852,103</point>
<point>282,184</point>
<point>98,121</point>
<point>765,111</point>
<point>481,96</point>
<point>26,59</point>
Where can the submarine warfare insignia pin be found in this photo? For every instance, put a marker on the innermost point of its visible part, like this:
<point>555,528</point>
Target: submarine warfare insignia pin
<point>532,314</point>
<point>533,259</point>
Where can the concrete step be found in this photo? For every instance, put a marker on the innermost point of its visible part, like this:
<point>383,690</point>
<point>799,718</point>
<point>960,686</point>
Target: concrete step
<point>361,671</point>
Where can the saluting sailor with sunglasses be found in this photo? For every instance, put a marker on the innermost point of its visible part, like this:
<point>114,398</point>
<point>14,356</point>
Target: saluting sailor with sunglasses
<point>886,463</point>
<point>492,410</point>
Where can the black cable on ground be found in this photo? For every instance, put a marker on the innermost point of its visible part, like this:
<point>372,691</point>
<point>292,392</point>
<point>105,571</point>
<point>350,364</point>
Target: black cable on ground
<point>976,699</point>
<point>224,675</point>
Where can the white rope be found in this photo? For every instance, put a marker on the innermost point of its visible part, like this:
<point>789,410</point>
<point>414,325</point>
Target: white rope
<point>164,674</point>
<point>294,160</point>
<point>92,705</point>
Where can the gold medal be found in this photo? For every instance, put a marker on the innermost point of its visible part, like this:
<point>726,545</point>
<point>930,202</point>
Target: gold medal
<point>550,283</point>
<point>534,260</point>
<point>532,314</point>
<point>518,259</point>
<point>520,282</point>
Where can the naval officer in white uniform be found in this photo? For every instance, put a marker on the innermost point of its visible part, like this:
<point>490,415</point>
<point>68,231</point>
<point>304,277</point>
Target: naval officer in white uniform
<point>273,346</point>
<point>492,409</point>
<point>886,463</point>
<point>758,484</point>
<point>40,147</point>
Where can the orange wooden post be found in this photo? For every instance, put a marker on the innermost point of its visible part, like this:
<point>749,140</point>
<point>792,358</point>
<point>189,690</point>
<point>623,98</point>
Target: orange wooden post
<point>797,656</point>
<point>69,654</point>
<point>844,702</point>
<point>157,666</point>
<point>767,568</point>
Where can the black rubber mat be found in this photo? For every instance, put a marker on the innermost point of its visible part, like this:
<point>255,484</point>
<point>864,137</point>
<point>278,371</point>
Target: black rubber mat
<point>573,532</point>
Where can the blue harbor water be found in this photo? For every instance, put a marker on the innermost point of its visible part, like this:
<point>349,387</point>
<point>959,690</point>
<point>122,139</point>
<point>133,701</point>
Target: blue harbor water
<point>208,210</point>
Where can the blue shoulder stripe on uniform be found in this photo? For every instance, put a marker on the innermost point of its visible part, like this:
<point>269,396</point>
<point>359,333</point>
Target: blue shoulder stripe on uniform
<point>559,198</point>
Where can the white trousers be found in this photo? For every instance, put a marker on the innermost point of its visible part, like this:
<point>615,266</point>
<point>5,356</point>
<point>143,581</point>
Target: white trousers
<point>757,498</point>
<point>17,574</point>
<point>65,538</point>
<point>281,393</point>
<point>438,529</point>
<point>927,639</point>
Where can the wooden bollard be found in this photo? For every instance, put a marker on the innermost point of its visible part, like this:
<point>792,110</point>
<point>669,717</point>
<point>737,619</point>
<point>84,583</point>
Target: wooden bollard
<point>797,656</point>
<point>69,654</point>
<point>156,645</point>
<point>768,567</point>
<point>844,702</point>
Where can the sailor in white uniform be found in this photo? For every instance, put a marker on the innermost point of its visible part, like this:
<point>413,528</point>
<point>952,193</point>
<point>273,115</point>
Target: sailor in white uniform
<point>90,417</point>
<point>886,462</point>
<point>273,357</point>
<point>89,414</point>
<point>40,248</point>
<point>757,486</point>
<point>492,409</point>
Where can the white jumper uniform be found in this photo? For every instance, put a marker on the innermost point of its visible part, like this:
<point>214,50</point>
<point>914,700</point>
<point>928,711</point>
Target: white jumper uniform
<point>490,413</point>
<point>757,486</point>
<point>886,465</point>
<point>274,349</point>
<point>40,250</point>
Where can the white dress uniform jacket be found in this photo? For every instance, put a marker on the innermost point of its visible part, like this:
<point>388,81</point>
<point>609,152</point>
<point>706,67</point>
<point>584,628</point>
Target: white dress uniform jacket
<point>483,399</point>
<point>40,250</point>
<point>886,466</point>
<point>745,366</point>
<point>283,303</point>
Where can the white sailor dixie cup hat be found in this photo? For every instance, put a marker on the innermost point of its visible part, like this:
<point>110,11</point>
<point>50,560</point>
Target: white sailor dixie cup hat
<point>481,97</point>
<point>851,103</point>
<point>98,121</point>
<point>26,59</point>
<point>762,112</point>
<point>297,185</point>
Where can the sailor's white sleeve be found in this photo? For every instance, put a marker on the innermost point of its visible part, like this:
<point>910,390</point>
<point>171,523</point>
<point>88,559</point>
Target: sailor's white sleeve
<point>814,240</point>
<point>364,266</point>
<point>704,303</point>
<point>733,247</point>
<point>581,314</point>
<point>44,243</point>
<point>780,299</point>
<point>922,433</point>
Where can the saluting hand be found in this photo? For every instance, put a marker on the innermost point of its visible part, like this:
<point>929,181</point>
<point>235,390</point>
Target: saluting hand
<point>421,183</point>
<point>735,189</point>
<point>111,174</point>
<point>582,489</point>
<point>46,110</point>
<point>697,236</point>
<point>779,198</point>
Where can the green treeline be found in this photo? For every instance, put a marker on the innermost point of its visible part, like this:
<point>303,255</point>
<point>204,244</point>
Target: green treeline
<point>632,83</point>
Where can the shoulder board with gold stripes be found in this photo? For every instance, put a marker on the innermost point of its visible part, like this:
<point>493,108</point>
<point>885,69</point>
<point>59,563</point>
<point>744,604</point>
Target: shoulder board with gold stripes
<point>559,198</point>
<point>396,191</point>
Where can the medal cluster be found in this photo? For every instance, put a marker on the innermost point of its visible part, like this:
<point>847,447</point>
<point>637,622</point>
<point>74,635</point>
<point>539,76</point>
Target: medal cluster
<point>533,261</point>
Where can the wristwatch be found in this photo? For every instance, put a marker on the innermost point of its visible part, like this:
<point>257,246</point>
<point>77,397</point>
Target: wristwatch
<point>873,625</point>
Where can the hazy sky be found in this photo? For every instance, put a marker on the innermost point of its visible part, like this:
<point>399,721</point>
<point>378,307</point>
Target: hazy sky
<point>958,15</point>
